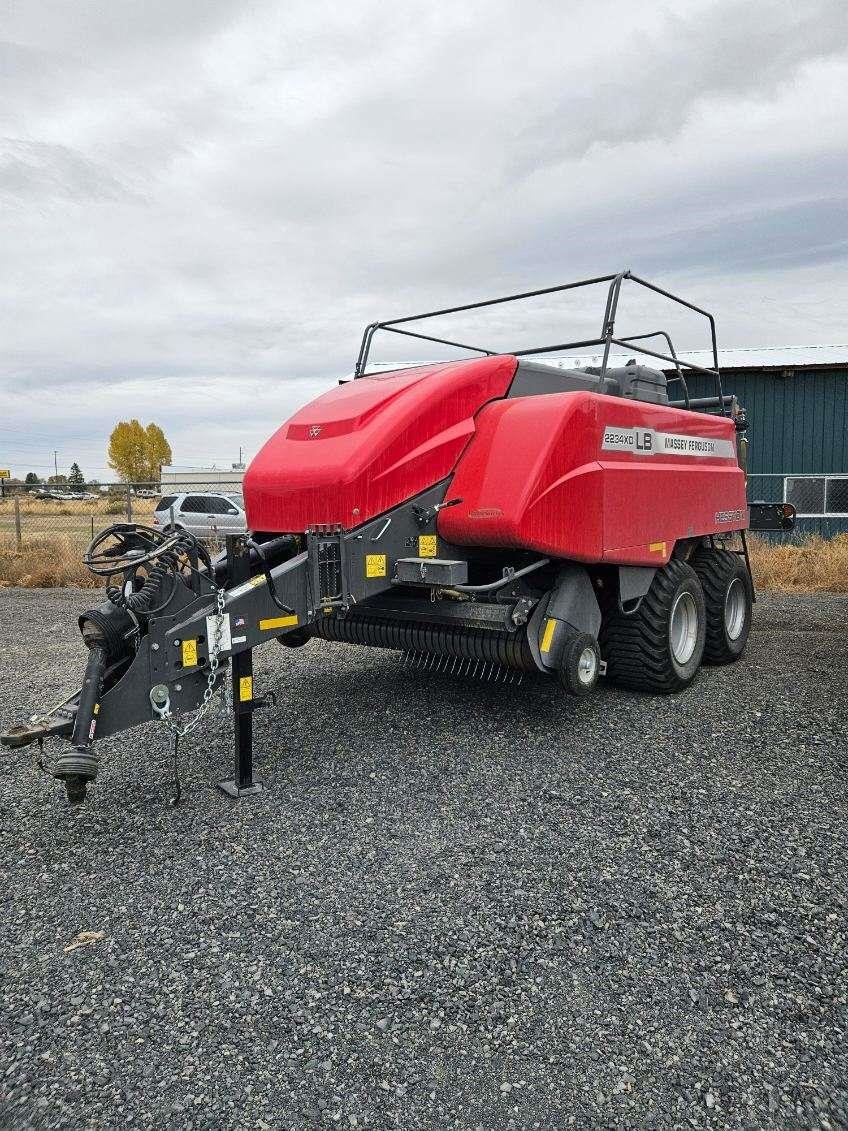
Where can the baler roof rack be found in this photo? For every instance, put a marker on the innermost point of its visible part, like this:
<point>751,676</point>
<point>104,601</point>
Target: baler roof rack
<point>606,339</point>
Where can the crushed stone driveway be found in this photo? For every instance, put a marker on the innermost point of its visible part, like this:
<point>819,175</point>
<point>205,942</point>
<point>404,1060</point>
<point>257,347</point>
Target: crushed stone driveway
<point>454,904</point>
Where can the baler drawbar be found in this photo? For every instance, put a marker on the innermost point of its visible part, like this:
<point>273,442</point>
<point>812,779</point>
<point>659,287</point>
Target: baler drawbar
<point>487,516</point>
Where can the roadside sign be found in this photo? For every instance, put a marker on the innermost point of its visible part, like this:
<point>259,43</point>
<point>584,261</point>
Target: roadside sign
<point>5,473</point>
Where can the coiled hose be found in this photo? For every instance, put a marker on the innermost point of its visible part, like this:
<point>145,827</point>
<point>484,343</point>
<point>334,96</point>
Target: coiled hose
<point>166,565</point>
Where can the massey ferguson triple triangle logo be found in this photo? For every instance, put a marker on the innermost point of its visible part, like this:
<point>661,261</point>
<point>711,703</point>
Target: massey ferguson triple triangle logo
<point>647,442</point>
<point>315,430</point>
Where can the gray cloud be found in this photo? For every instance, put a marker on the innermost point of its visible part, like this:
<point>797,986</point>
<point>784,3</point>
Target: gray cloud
<point>213,198</point>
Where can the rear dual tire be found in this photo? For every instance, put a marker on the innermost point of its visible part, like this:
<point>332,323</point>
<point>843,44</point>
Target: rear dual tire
<point>729,596</point>
<point>659,647</point>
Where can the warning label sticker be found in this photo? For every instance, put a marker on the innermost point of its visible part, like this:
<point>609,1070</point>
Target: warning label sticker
<point>375,565</point>
<point>648,442</point>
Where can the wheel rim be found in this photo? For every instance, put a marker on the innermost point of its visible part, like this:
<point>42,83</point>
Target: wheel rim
<point>734,609</point>
<point>587,666</point>
<point>683,629</point>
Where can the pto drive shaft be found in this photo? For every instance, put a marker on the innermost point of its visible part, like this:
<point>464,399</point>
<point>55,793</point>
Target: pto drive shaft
<point>77,766</point>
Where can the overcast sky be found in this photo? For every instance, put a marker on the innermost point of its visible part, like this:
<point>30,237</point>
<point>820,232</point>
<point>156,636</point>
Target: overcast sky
<point>202,204</point>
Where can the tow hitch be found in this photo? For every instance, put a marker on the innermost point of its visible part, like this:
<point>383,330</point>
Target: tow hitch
<point>160,645</point>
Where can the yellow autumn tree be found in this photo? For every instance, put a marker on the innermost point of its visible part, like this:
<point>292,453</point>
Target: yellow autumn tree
<point>136,453</point>
<point>158,449</point>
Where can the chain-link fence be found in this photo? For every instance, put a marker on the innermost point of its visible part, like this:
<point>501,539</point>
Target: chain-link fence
<point>71,515</point>
<point>54,523</point>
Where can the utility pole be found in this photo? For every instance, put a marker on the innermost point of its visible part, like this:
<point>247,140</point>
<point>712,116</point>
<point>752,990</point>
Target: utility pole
<point>56,463</point>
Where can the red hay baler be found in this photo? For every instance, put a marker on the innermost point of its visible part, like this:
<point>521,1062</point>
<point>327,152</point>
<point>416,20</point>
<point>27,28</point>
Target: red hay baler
<point>486,517</point>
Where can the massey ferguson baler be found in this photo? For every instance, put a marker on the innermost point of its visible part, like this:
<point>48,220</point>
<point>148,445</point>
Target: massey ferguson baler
<point>483,516</point>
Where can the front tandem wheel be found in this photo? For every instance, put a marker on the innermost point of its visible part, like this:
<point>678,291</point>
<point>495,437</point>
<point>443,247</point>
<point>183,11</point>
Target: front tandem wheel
<point>728,593</point>
<point>658,648</point>
<point>580,664</point>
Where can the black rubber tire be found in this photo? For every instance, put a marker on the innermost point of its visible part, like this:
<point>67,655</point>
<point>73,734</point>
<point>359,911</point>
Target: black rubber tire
<point>570,675</point>
<point>637,647</point>
<point>718,570</point>
<point>296,638</point>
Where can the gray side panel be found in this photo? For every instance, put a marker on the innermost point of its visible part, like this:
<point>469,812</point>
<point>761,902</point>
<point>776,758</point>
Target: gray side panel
<point>634,582</point>
<point>574,601</point>
<point>128,702</point>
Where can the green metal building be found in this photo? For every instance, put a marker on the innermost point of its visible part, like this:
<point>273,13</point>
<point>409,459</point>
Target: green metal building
<point>796,399</point>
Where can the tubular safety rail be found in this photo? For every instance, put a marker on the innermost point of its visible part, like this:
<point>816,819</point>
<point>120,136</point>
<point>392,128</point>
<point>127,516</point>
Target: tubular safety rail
<point>607,337</point>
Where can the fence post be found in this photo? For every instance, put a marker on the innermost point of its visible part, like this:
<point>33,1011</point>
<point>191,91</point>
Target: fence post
<point>19,541</point>
<point>92,528</point>
<point>129,503</point>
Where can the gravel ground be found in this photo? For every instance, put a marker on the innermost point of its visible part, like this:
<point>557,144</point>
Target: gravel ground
<point>454,905</point>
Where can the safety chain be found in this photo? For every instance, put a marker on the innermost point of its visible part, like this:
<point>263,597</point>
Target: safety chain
<point>214,651</point>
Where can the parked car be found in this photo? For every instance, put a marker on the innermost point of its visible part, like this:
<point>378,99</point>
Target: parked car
<point>208,514</point>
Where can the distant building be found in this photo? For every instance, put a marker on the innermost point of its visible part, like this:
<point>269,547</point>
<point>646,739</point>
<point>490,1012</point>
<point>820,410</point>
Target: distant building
<point>176,477</point>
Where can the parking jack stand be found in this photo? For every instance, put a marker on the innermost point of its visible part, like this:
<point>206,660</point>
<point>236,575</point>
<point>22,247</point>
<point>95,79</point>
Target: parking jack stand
<point>241,674</point>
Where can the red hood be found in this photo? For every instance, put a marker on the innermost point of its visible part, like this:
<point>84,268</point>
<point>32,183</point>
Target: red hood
<point>367,445</point>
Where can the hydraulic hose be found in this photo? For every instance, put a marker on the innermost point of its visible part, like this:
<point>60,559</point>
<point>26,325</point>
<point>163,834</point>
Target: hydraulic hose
<point>266,570</point>
<point>502,582</point>
<point>163,567</point>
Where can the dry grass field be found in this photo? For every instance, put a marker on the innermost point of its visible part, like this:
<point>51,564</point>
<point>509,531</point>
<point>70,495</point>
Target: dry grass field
<point>54,534</point>
<point>45,562</point>
<point>30,505</point>
<point>815,565</point>
<point>50,555</point>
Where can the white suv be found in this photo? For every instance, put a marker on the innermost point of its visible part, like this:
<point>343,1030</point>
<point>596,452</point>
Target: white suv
<point>208,514</point>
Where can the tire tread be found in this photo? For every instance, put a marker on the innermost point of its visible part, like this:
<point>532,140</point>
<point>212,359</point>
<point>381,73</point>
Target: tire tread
<point>635,645</point>
<point>713,568</point>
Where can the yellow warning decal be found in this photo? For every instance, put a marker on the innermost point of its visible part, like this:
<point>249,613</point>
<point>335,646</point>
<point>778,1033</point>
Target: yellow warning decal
<point>428,545</point>
<point>96,708</point>
<point>245,688</point>
<point>375,565</point>
<point>189,653</point>
<point>277,622</point>
<point>548,635</point>
<point>657,548</point>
